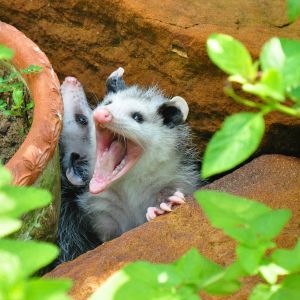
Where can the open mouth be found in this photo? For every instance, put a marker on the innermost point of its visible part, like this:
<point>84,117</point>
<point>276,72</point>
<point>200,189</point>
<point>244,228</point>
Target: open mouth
<point>115,156</point>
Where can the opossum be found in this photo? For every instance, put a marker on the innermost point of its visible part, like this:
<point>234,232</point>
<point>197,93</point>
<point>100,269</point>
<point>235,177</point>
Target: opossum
<point>144,162</point>
<point>75,234</point>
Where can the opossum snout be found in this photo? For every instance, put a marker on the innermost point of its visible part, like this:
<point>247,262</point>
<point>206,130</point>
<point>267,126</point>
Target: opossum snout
<point>102,115</point>
<point>72,81</point>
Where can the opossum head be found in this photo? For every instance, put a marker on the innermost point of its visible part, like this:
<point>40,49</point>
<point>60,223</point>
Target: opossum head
<point>76,141</point>
<point>134,127</point>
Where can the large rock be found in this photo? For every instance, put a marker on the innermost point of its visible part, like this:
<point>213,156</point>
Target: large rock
<point>273,180</point>
<point>159,42</point>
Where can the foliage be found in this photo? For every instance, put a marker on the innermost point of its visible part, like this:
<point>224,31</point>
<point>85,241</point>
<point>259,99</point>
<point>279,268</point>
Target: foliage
<point>272,79</point>
<point>252,225</point>
<point>19,260</point>
<point>293,9</point>
<point>13,85</point>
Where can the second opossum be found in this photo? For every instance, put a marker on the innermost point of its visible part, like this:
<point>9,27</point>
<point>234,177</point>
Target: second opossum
<point>144,162</point>
<point>77,147</point>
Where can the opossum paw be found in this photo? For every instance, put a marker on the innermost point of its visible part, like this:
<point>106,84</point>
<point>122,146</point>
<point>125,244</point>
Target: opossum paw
<point>176,199</point>
<point>153,212</point>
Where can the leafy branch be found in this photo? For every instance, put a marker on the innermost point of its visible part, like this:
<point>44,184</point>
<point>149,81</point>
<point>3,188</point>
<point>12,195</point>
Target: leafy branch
<point>253,225</point>
<point>273,80</point>
<point>20,260</point>
<point>14,86</point>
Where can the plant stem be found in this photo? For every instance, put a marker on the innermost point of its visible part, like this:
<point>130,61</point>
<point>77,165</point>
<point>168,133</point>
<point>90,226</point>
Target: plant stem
<point>266,108</point>
<point>285,109</point>
<point>231,93</point>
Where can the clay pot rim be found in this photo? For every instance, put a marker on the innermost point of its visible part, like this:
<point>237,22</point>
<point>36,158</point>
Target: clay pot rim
<point>38,148</point>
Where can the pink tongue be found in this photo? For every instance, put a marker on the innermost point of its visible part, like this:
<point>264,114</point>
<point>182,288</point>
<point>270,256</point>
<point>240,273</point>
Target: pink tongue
<point>106,162</point>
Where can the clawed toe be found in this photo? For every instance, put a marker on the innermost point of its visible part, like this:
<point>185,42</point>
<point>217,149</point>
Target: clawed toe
<point>153,212</point>
<point>165,207</point>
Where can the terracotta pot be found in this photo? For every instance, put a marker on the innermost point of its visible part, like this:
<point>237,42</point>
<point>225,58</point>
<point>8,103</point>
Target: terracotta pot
<point>38,148</point>
<point>37,161</point>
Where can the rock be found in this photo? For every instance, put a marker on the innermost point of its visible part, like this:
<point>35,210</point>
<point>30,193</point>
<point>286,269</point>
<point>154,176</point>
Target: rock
<point>271,179</point>
<point>159,42</point>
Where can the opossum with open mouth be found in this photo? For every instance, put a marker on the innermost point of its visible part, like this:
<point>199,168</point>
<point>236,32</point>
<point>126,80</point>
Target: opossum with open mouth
<point>144,162</point>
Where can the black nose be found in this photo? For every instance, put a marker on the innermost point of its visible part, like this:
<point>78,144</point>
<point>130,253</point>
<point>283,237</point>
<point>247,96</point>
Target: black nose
<point>74,156</point>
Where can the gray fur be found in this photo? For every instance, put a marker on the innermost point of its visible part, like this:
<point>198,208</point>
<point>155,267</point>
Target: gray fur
<point>168,164</point>
<point>75,234</point>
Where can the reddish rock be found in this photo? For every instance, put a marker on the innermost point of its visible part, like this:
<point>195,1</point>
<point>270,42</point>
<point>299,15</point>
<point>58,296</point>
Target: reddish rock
<point>272,179</point>
<point>158,42</point>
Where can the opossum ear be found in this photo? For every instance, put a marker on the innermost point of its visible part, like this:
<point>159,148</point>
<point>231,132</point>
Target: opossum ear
<point>115,81</point>
<point>174,112</point>
<point>182,105</point>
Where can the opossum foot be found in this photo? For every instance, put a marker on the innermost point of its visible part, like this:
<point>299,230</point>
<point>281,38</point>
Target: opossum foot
<point>176,199</point>
<point>153,212</point>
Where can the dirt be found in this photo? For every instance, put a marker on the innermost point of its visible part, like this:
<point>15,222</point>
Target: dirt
<point>13,130</point>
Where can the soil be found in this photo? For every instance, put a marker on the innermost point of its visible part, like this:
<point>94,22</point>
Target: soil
<point>13,130</point>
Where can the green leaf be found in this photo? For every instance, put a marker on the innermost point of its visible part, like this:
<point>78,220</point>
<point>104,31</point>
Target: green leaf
<point>10,87</point>
<point>234,271</point>
<point>187,293</point>
<point>293,9</point>
<point>29,105</point>
<point>7,205</point>
<point>10,268</point>
<point>283,55</point>
<point>294,94</point>
<point>26,199</point>
<point>271,271</point>
<point>269,225</point>
<point>289,288</point>
<point>230,55</point>
<point>7,113</point>
<point>33,255</point>
<point>196,270</point>
<point>17,96</point>
<point>31,69</point>
<point>263,292</point>
<point>8,226</point>
<point>272,55</point>
<point>291,75</point>
<point>5,176</point>
<point>250,258</point>
<point>6,53</point>
<point>270,86</point>
<point>110,288</point>
<point>152,282</point>
<point>288,259</point>
<point>3,106</point>
<point>225,210</point>
<point>238,138</point>
<point>48,289</point>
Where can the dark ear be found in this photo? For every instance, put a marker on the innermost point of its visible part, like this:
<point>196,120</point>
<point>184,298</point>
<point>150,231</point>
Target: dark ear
<point>174,112</point>
<point>115,81</point>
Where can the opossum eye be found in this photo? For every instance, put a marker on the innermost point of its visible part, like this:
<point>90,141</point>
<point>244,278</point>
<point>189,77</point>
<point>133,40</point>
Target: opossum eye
<point>81,119</point>
<point>108,102</point>
<point>137,117</point>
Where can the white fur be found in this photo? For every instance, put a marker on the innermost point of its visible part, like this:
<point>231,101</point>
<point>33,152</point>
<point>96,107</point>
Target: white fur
<point>74,137</point>
<point>159,171</point>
